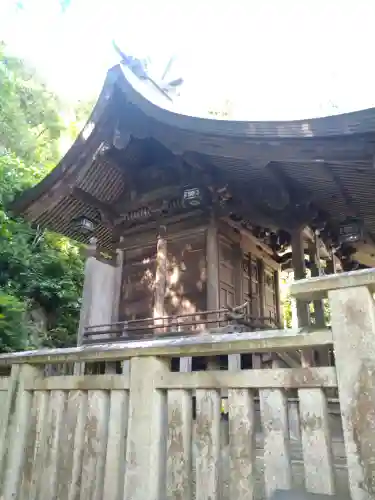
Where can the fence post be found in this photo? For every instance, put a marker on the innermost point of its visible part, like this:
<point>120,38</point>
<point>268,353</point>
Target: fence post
<point>353,329</point>
<point>146,443</point>
<point>15,425</point>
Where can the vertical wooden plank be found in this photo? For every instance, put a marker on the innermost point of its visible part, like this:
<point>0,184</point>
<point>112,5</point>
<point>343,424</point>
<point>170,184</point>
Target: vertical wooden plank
<point>294,420</point>
<point>13,443</point>
<point>318,304</point>
<point>55,414</point>
<point>125,365</point>
<point>315,435</point>
<point>7,415</point>
<point>241,444</point>
<point>234,362</point>
<point>95,443</point>
<point>274,415</point>
<point>160,279</point>
<point>179,477</point>
<point>33,466</point>
<point>316,442</point>
<point>279,309</point>
<point>208,444</point>
<point>78,400</point>
<point>116,444</point>
<point>118,283</point>
<point>256,360</point>
<point>260,265</point>
<point>3,403</point>
<point>299,268</point>
<point>186,364</point>
<point>71,446</point>
<point>212,265</point>
<point>145,450</point>
<point>353,329</point>
<point>314,254</point>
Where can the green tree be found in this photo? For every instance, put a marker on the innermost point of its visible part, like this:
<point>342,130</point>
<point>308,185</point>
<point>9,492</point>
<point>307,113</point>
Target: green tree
<point>39,270</point>
<point>30,115</point>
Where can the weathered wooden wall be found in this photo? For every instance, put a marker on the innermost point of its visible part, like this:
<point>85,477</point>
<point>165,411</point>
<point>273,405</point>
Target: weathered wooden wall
<point>206,268</point>
<point>247,273</point>
<point>138,278</point>
<point>186,291</point>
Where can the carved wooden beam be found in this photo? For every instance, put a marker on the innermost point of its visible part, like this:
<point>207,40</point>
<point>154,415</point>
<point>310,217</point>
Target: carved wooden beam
<point>195,218</point>
<point>108,215</point>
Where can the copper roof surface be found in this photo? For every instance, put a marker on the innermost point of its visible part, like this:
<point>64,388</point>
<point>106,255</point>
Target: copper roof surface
<point>330,159</point>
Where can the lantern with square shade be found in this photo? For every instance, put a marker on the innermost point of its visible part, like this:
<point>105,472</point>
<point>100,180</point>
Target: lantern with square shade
<point>350,232</point>
<point>84,225</point>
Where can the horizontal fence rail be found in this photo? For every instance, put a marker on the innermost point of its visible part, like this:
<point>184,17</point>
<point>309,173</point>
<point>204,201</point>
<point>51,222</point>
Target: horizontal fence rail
<point>203,345</point>
<point>136,430</point>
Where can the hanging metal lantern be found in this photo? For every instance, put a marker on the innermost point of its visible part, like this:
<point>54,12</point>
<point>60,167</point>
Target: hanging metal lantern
<point>350,231</point>
<point>84,225</point>
<point>193,197</point>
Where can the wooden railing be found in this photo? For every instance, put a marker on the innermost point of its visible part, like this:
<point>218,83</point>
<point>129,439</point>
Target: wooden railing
<point>182,324</point>
<point>142,432</point>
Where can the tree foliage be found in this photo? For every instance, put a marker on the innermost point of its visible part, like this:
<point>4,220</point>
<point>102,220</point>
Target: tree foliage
<point>39,271</point>
<point>30,122</point>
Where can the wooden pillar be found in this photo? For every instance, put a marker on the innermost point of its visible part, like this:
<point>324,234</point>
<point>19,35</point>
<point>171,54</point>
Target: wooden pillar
<point>84,317</point>
<point>301,311</point>
<point>332,265</point>
<point>238,281</point>
<point>234,360</point>
<point>118,283</point>
<point>318,304</point>
<point>160,279</point>
<point>100,297</point>
<point>212,266</point>
<point>314,254</point>
<point>146,438</point>
<point>299,268</point>
<point>279,312</point>
<point>120,255</point>
<point>312,402</point>
<point>260,265</point>
<point>353,331</point>
<point>213,280</point>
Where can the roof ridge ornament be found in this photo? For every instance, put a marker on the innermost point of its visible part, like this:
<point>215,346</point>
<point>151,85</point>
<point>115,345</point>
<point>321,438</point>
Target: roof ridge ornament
<point>140,69</point>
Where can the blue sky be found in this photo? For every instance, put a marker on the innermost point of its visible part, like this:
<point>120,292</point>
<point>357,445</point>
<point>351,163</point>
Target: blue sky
<point>273,59</point>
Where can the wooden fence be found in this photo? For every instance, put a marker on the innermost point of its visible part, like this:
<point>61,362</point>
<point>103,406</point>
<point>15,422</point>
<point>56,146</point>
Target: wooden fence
<point>134,433</point>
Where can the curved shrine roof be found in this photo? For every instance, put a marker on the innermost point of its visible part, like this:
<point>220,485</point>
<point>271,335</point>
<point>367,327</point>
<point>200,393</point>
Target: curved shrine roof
<point>330,160</point>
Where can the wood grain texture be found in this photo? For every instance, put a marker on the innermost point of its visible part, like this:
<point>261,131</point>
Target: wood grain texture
<point>277,464</point>
<point>145,450</point>
<point>14,436</point>
<point>179,466</point>
<point>208,444</point>
<point>116,445</point>
<point>353,326</point>
<point>255,379</point>
<point>197,345</point>
<point>316,442</point>
<point>95,443</point>
<point>242,450</point>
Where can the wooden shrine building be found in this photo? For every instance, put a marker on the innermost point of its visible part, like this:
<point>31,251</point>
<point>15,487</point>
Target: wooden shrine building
<point>186,218</point>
